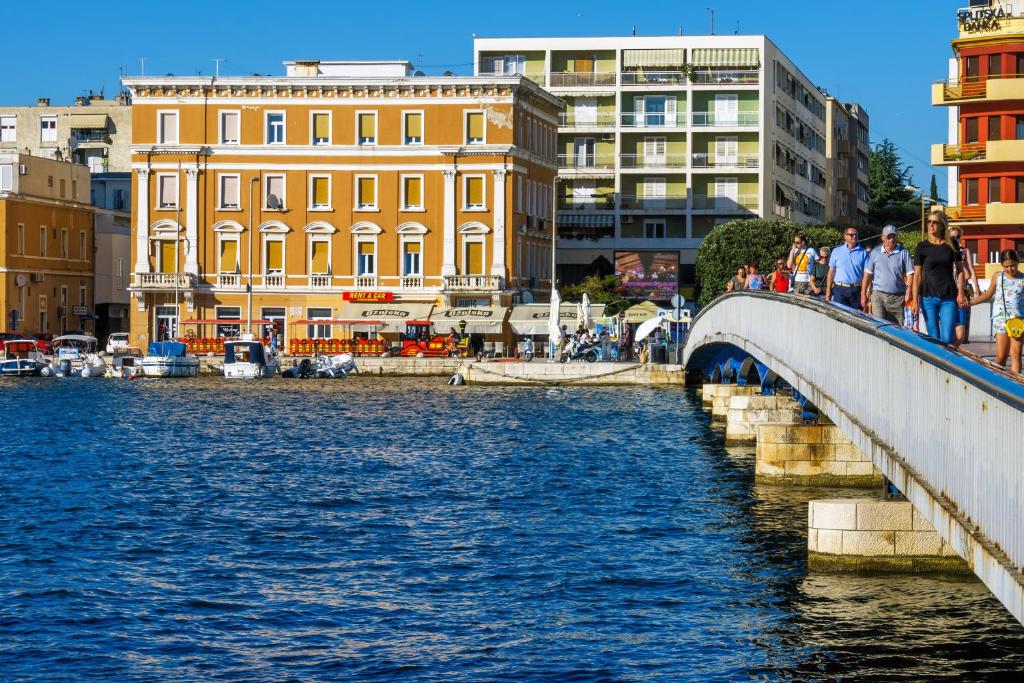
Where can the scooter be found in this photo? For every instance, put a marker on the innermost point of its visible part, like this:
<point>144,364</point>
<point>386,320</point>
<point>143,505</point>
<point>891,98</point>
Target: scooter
<point>577,351</point>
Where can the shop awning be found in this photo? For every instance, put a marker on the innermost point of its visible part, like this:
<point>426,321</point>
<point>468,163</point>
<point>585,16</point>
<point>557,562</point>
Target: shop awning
<point>391,315</point>
<point>88,121</point>
<point>224,321</point>
<point>643,311</point>
<point>479,319</point>
<point>649,58</point>
<point>530,319</point>
<point>743,57</point>
<point>586,221</point>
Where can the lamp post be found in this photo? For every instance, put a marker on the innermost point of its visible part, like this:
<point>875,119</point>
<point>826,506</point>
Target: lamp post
<point>924,202</point>
<point>248,286</point>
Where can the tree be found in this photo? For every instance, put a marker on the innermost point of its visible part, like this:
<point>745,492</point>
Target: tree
<point>889,200</point>
<point>742,241</point>
<point>933,191</point>
<point>600,290</point>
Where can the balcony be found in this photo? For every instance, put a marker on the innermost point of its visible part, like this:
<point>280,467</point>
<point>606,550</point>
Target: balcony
<point>643,161</point>
<point>272,281</point>
<point>229,280</point>
<point>586,162</point>
<point>598,202</point>
<point>536,78</point>
<point>744,203</point>
<point>473,283</point>
<point>598,119</point>
<point>966,214</point>
<point>411,282</point>
<point>726,77</point>
<point>951,155</point>
<point>996,213</point>
<point>632,202</point>
<point>745,160</point>
<point>653,120</point>
<point>366,282</point>
<point>653,78</point>
<point>1003,87</point>
<point>90,135</point>
<point>847,147</point>
<point>163,281</point>
<point>844,184</point>
<point>320,281</point>
<point>740,119</point>
<point>583,79</point>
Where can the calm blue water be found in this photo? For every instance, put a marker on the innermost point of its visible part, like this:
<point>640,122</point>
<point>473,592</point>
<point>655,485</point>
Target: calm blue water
<point>404,530</point>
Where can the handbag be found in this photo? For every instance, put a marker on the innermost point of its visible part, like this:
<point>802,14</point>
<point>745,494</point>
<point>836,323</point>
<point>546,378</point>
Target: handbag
<point>1014,325</point>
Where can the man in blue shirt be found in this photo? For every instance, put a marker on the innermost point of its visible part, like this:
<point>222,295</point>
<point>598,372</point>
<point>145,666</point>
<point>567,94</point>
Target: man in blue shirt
<point>887,278</point>
<point>846,270</point>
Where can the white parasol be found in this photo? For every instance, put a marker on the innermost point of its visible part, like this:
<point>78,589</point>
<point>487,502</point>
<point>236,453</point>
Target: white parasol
<point>648,326</point>
<point>585,318</point>
<point>554,331</point>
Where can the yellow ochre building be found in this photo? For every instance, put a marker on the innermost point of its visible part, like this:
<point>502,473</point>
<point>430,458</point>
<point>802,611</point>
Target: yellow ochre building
<point>305,196</point>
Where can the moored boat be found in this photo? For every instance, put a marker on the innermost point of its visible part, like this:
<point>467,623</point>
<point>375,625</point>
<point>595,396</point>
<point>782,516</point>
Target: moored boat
<point>21,358</point>
<point>247,358</point>
<point>127,362</point>
<point>323,367</point>
<point>169,359</point>
<point>75,355</point>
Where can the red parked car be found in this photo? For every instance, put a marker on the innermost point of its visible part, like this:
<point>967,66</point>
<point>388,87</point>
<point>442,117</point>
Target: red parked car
<point>43,346</point>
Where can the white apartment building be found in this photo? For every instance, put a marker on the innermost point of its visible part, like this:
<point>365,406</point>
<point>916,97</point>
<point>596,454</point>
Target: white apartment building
<point>665,137</point>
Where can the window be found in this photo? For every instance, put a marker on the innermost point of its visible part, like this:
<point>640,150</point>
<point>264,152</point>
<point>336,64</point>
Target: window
<point>366,263</point>
<point>412,258</point>
<point>319,257</point>
<point>971,191</point>
<point>43,326</point>
<point>167,191</point>
<point>166,255</point>
<point>473,186</point>
<point>971,129</point>
<point>64,249</point>
<point>167,128</point>
<point>475,128</point>
<point>366,193</point>
<point>228,261</point>
<point>994,191</point>
<point>366,123</point>
<point>274,197</point>
<point>119,197</point>
<point>63,187</point>
<point>6,176</point>
<point>273,255</point>
<point>74,189</point>
<point>474,258</point>
<point>320,192</point>
<point>321,126</point>
<point>995,66</point>
<point>230,191</point>
<point>275,128</point>
<point>519,193</point>
<point>42,240</point>
<point>228,331</point>
<point>318,331</point>
<point>412,124</point>
<point>81,296</point>
<point>21,239</point>
<point>229,128</point>
<point>654,230</point>
<point>120,274</point>
<point>8,129</point>
<point>994,127</point>
<point>81,246</point>
<point>1019,193</point>
<point>412,192</point>
<point>47,129</point>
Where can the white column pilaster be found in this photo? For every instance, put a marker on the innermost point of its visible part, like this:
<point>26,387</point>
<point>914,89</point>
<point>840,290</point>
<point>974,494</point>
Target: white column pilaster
<point>191,220</point>
<point>142,221</point>
<point>498,260</point>
<point>448,262</point>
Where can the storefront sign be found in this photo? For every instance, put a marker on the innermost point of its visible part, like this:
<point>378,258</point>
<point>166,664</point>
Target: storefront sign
<point>473,312</point>
<point>378,313</point>
<point>79,310</point>
<point>369,297</point>
<point>978,19</point>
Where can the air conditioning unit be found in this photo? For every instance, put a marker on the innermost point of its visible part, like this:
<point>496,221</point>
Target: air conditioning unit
<point>22,169</point>
<point>37,277</point>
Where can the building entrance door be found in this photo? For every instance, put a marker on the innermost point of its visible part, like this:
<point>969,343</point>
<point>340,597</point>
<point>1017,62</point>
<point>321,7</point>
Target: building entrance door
<point>165,323</point>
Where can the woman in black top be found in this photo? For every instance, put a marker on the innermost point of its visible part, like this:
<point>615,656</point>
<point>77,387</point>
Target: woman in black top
<point>938,286</point>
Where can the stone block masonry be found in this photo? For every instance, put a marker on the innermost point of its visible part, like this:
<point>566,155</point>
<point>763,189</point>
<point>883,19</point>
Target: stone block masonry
<point>746,413</point>
<point>850,535</point>
<point>720,394</point>
<point>811,455</point>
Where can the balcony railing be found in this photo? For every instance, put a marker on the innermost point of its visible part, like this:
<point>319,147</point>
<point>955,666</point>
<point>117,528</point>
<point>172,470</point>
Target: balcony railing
<point>973,212</point>
<point>319,281</point>
<point>90,135</point>
<point>273,281</point>
<point>653,120</point>
<point>726,77</point>
<point>744,203</point>
<point>163,280</point>
<point>653,161</point>
<point>233,280</point>
<point>601,202</point>
<point>473,283</point>
<point>585,161</point>
<point>740,119</point>
<point>630,202</point>
<point>592,119</point>
<point>411,282</point>
<point>751,160</point>
<point>972,151</point>
<point>366,281</point>
<point>564,79</point>
<point>653,77</point>
<point>536,78</point>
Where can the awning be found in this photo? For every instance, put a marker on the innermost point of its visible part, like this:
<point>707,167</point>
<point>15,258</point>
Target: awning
<point>643,311</point>
<point>673,57</point>
<point>530,319</point>
<point>586,221</point>
<point>224,321</point>
<point>391,315</point>
<point>88,121</point>
<point>479,319</point>
<point>746,57</point>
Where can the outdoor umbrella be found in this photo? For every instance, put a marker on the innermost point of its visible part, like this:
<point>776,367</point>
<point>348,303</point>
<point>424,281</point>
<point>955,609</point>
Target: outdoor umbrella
<point>554,331</point>
<point>585,305</point>
<point>647,327</point>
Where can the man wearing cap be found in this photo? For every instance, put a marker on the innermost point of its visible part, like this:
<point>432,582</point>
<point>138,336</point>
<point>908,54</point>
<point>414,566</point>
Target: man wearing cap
<point>887,278</point>
<point>846,270</point>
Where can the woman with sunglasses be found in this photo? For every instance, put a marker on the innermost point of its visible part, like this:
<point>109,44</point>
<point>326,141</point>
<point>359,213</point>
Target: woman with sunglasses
<point>1007,290</point>
<point>938,281</point>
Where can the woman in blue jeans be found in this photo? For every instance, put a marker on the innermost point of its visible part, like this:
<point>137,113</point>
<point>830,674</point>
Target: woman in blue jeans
<point>938,283</point>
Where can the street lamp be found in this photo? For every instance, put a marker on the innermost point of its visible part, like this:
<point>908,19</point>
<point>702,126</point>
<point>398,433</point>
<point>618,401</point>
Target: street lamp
<point>924,201</point>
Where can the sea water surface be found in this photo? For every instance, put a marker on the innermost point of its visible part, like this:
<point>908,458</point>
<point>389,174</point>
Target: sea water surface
<point>403,530</point>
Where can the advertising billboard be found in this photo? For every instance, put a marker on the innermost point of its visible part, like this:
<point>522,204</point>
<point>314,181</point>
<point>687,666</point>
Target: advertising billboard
<point>652,275</point>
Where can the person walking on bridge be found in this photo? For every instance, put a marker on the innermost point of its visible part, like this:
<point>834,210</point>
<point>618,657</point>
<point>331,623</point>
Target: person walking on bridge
<point>1007,292</point>
<point>819,276</point>
<point>887,279</point>
<point>801,264</point>
<point>938,281</point>
<point>778,281</point>
<point>846,270</point>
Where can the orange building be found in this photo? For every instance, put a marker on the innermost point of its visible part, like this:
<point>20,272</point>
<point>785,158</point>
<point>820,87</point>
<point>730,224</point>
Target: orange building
<point>46,245</point>
<point>290,198</point>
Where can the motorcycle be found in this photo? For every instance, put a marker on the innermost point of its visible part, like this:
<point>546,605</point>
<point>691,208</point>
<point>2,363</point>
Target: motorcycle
<point>576,351</point>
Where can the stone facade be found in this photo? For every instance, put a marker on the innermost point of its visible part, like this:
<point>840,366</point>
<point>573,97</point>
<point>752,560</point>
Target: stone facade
<point>811,455</point>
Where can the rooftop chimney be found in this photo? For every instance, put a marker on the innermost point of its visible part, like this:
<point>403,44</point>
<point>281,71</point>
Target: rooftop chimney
<point>82,101</point>
<point>43,102</point>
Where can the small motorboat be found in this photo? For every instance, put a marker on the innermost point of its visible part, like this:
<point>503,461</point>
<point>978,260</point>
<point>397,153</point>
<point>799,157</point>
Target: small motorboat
<point>324,367</point>
<point>127,362</point>
<point>247,358</point>
<point>75,355</point>
<point>169,359</point>
<point>21,358</point>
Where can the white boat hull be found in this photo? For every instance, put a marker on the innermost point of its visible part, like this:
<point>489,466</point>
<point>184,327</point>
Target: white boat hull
<point>156,366</point>
<point>249,370</point>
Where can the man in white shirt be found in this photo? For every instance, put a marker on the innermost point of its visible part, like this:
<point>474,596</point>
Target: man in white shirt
<point>801,264</point>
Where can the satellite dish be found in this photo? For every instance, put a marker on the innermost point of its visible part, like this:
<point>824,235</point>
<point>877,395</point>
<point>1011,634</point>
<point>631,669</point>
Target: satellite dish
<point>21,280</point>
<point>527,297</point>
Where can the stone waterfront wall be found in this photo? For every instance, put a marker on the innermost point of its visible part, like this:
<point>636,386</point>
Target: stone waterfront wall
<point>572,373</point>
<point>746,413</point>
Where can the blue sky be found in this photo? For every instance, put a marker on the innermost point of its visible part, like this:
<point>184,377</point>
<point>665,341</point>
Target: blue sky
<point>883,54</point>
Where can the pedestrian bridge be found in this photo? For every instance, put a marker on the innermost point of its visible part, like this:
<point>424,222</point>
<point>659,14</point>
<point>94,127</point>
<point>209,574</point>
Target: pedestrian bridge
<point>947,430</point>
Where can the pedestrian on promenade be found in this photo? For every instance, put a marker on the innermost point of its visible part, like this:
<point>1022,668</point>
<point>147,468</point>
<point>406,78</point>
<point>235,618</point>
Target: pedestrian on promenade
<point>887,279</point>
<point>962,332</point>
<point>1007,290</point>
<point>819,275</point>
<point>737,281</point>
<point>846,271</point>
<point>801,264</point>
<point>606,344</point>
<point>626,342</point>
<point>755,280</point>
<point>778,281</point>
<point>938,283</point>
